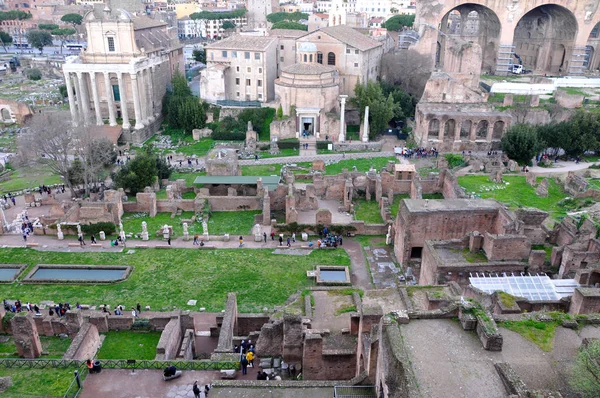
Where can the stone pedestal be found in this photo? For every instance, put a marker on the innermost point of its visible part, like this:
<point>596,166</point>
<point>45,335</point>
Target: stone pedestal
<point>205,237</point>
<point>60,236</point>
<point>186,236</point>
<point>145,236</point>
<point>102,235</point>
<point>304,236</point>
<point>258,238</point>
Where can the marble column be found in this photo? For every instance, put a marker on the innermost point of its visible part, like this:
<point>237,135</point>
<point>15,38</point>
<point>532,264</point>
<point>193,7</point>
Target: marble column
<point>99,121</point>
<point>153,112</point>
<point>72,106</point>
<point>143,95</point>
<point>123,101</point>
<point>82,100</point>
<point>136,101</point>
<point>365,137</point>
<point>109,100</point>
<point>457,127</point>
<point>342,137</point>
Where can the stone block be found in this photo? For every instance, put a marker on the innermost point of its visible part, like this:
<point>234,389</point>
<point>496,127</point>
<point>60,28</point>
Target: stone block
<point>537,258</point>
<point>542,189</point>
<point>323,217</point>
<point>475,242</point>
<point>318,165</point>
<point>508,100</point>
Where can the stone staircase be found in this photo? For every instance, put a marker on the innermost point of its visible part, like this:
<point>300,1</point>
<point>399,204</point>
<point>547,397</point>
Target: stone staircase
<point>311,148</point>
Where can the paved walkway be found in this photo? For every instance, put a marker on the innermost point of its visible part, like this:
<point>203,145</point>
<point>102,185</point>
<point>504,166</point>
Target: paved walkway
<point>328,157</point>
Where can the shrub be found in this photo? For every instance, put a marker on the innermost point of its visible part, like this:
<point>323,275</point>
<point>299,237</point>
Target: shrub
<point>6,319</point>
<point>323,144</point>
<point>34,74</point>
<point>288,144</point>
<point>454,160</point>
<point>94,229</point>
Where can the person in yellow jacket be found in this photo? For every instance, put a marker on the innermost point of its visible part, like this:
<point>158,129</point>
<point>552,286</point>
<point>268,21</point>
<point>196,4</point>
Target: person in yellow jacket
<point>250,358</point>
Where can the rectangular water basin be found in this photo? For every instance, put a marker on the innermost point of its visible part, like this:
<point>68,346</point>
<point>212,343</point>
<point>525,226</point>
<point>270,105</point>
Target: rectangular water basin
<point>333,275</point>
<point>77,274</point>
<point>10,272</point>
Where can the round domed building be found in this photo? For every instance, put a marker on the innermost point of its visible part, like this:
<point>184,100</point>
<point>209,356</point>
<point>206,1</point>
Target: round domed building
<point>313,89</point>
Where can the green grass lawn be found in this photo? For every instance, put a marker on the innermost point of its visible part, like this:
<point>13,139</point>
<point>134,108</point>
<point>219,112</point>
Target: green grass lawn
<point>262,170</point>
<point>370,240</point>
<point>29,177</point>
<point>367,211</point>
<point>396,203</point>
<point>362,165</point>
<point>126,344</point>
<point>198,148</point>
<point>164,279</point>
<point>231,222</point>
<point>37,382</point>
<point>518,193</point>
<point>188,177</point>
<point>539,333</point>
<point>282,153</point>
<point>162,194</point>
<point>53,347</point>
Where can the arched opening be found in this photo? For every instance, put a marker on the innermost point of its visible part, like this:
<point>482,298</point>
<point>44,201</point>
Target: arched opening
<point>544,39</point>
<point>5,113</point>
<point>465,129</point>
<point>331,59</point>
<point>320,57</point>
<point>467,32</point>
<point>482,129</point>
<point>449,128</point>
<point>434,127</point>
<point>594,279</point>
<point>498,130</point>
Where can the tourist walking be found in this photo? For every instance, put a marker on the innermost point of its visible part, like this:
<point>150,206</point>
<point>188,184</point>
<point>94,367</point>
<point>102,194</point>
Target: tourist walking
<point>139,308</point>
<point>244,363</point>
<point>241,241</point>
<point>24,236</point>
<point>80,239</point>
<point>265,236</point>
<point>294,237</point>
<point>169,240</point>
<point>288,242</point>
<point>196,240</point>
<point>272,235</point>
<point>93,239</point>
<point>133,312</point>
<point>280,240</point>
<point>250,358</point>
<point>196,389</point>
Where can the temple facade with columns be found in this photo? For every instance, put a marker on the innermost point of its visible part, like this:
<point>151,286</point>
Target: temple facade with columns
<point>122,76</point>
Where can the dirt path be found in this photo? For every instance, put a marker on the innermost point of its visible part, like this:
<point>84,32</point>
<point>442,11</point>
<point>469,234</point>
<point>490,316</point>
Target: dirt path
<point>360,274</point>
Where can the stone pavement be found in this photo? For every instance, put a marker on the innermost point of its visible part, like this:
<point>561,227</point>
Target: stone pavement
<point>328,157</point>
<point>384,269</point>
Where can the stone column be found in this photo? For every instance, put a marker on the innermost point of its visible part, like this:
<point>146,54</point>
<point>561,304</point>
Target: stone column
<point>490,132</point>
<point>109,100</point>
<point>83,101</point>
<point>365,137</point>
<point>457,127</point>
<point>79,100</point>
<point>342,137</point>
<point>136,101</point>
<point>151,103</point>
<point>473,133</point>
<point>123,101</point>
<point>99,121</point>
<point>143,96</point>
<point>72,106</point>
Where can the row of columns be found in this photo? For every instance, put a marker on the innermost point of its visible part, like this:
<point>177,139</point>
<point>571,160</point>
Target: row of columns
<point>142,88</point>
<point>472,132</point>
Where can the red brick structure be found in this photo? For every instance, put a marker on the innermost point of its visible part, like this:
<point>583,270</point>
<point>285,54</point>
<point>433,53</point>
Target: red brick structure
<point>585,301</point>
<point>26,336</point>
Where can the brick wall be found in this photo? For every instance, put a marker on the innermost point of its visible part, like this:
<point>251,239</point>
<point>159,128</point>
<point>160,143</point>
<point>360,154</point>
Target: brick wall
<point>585,301</point>
<point>85,344</point>
<point>319,364</point>
<point>506,247</point>
<point>170,339</point>
<point>248,323</point>
<point>228,326</point>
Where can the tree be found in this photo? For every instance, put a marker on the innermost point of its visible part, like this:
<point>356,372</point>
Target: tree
<point>50,138</point>
<point>39,39</point>
<point>289,25</point>
<point>199,56</point>
<point>48,26</point>
<point>62,35</point>
<point>138,173</point>
<point>74,19</point>
<point>521,143</point>
<point>5,39</point>
<point>15,15</point>
<point>397,22</point>
<point>381,108</point>
<point>286,16</point>
<point>585,373</point>
<point>34,74</point>
<point>228,25</point>
<point>181,108</point>
<point>96,155</point>
<point>280,113</point>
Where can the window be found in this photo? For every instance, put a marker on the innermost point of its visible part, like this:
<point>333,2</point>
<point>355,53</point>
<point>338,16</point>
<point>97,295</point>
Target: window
<point>280,59</point>
<point>319,57</point>
<point>234,54</point>
<point>257,56</point>
<point>247,55</point>
<point>347,51</point>
<point>237,68</point>
<point>305,56</point>
<point>311,58</point>
<point>224,54</point>
<point>259,70</point>
<point>259,83</point>
<point>111,44</point>
<point>249,69</point>
<point>356,52</point>
<point>356,64</point>
<point>248,82</point>
<point>259,96</point>
<point>237,94</point>
<point>319,37</point>
<point>331,59</point>
<point>237,81</point>
<point>281,47</point>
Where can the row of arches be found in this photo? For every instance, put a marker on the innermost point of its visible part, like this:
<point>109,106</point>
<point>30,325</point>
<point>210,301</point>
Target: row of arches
<point>469,129</point>
<point>543,41</point>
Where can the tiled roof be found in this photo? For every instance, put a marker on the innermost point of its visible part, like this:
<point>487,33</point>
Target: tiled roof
<point>239,42</point>
<point>351,37</point>
<point>308,69</point>
<point>286,32</point>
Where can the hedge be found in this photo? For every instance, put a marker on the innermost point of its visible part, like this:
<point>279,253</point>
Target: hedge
<point>94,229</point>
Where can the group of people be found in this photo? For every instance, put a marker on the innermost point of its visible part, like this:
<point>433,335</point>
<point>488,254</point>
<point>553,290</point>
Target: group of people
<point>10,197</point>
<point>419,153</point>
<point>18,307</point>
<point>247,353</point>
<point>26,226</point>
<point>135,311</point>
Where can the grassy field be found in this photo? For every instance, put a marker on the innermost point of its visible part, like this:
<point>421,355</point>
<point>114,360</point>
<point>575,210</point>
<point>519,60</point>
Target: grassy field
<point>370,240</point>
<point>539,333</point>
<point>132,222</point>
<point>52,347</point>
<point>29,177</point>
<point>164,279</point>
<point>188,177</point>
<point>37,382</point>
<point>362,165</point>
<point>367,211</point>
<point>162,194</point>
<point>262,170</point>
<point>518,193</point>
<point>231,222</point>
<point>126,344</point>
<point>396,203</point>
